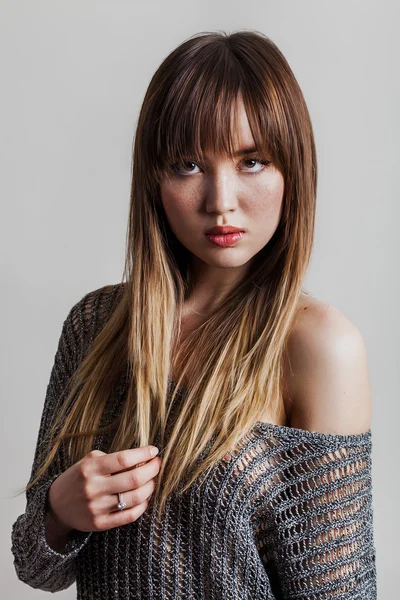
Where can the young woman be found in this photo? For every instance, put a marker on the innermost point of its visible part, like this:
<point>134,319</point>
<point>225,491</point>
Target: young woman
<point>255,393</point>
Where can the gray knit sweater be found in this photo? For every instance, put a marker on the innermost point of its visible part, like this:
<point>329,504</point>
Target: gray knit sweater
<point>287,515</point>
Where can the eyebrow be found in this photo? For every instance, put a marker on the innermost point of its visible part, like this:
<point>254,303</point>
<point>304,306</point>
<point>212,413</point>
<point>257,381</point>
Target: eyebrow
<point>247,150</point>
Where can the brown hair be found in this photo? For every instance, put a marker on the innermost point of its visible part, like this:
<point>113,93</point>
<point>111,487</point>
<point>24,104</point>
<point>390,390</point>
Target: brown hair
<point>240,347</point>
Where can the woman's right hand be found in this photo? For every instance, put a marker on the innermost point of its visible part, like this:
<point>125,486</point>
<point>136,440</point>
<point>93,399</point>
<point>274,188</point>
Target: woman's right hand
<point>85,496</point>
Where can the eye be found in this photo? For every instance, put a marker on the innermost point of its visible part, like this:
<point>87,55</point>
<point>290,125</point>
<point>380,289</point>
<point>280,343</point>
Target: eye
<point>188,166</point>
<point>189,163</point>
<point>260,161</point>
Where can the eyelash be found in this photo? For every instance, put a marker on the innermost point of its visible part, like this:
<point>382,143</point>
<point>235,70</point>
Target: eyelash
<point>266,164</point>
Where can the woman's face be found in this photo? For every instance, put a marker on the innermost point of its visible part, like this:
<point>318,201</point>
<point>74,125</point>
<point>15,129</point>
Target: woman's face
<point>242,192</point>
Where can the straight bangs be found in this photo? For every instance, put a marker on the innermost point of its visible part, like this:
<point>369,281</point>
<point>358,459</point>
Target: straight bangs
<point>197,112</point>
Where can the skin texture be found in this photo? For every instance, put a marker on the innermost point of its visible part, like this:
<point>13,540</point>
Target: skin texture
<point>327,372</point>
<point>326,368</point>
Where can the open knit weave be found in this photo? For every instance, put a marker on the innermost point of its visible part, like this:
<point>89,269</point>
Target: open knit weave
<point>287,515</point>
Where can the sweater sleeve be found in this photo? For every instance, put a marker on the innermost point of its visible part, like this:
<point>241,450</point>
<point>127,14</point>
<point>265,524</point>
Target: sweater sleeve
<point>35,562</point>
<point>316,540</point>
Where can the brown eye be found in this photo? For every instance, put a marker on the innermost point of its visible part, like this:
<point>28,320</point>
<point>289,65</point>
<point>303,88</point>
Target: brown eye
<point>260,161</point>
<point>187,164</point>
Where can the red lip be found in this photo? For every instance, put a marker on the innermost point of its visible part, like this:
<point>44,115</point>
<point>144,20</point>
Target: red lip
<point>223,230</point>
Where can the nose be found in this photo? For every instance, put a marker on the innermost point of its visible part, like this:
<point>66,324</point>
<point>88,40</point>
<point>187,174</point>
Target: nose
<point>220,193</point>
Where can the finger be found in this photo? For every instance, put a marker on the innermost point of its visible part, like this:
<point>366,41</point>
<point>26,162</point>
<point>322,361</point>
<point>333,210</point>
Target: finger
<point>121,460</point>
<point>121,517</point>
<point>131,498</point>
<point>130,480</point>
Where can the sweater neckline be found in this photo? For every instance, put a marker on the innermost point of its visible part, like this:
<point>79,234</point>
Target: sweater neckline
<point>294,433</point>
<point>310,435</point>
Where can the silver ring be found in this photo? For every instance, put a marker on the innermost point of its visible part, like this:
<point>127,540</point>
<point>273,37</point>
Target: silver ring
<point>121,503</point>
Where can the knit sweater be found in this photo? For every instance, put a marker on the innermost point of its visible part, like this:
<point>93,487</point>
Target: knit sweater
<point>287,515</point>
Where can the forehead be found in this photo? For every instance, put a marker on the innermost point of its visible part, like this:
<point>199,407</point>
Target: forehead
<point>240,124</point>
<point>242,137</point>
<point>204,132</point>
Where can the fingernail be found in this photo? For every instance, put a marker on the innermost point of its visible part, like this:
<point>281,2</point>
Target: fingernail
<point>153,450</point>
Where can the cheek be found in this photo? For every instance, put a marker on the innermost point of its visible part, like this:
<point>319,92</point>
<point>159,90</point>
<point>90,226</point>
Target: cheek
<point>266,203</point>
<point>179,207</point>
<point>262,203</point>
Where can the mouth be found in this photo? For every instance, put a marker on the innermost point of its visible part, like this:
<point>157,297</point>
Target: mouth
<point>222,229</point>
<point>225,239</point>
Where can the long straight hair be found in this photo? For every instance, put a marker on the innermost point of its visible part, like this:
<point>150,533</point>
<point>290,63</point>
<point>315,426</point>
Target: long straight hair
<point>237,353</point>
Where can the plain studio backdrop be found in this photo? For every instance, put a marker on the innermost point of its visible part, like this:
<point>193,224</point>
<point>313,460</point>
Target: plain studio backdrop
<point>73,76</point>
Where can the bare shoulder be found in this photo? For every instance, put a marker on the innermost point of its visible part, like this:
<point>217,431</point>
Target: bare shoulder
<point>326,374</point>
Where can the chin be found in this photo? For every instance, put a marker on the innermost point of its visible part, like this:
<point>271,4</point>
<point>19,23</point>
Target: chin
<point>226,258</point>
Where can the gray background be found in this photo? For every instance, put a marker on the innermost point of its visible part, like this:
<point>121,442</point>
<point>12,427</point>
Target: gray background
<point>73,76</point>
